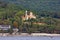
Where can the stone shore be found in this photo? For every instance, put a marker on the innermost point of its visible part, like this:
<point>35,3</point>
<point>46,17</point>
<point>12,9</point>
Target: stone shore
<point>26,34</point>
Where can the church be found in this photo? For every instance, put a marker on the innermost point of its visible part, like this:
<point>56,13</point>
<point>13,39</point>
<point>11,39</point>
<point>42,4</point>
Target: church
<point>28,15</point>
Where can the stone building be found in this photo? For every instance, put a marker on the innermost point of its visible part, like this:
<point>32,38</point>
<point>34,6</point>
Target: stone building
<point>28,15</point>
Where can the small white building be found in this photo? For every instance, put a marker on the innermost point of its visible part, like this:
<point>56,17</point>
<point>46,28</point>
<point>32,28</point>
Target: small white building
<point>5,27</point>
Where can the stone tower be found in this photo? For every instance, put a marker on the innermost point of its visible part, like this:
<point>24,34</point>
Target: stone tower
<point>26,15</point>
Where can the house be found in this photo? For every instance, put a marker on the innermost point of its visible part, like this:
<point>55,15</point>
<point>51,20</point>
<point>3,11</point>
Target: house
<point>5,27</point>
<point>28,15</point>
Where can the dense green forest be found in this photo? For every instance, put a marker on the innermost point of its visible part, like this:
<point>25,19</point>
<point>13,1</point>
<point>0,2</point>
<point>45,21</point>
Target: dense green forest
<point>11,12</point>
<point>40,7</point>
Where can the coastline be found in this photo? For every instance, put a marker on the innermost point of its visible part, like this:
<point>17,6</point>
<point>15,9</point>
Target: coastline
<point>32,34</point>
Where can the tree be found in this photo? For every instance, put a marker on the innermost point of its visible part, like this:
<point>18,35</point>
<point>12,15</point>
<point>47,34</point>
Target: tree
<point>20,13</point>
<point>15,24</point>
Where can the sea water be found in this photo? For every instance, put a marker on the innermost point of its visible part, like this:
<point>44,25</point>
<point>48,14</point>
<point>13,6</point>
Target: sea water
<point>29,38</point>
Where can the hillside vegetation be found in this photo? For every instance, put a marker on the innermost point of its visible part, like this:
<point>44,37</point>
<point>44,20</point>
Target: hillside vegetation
<point>12,10</point>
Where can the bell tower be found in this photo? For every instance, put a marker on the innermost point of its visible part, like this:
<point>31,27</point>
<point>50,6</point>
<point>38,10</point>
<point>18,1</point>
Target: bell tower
<point>26,15</point>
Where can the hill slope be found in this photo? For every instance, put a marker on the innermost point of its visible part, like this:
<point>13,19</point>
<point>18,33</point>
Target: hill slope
<point>48,5</point>
<point>40,7</point>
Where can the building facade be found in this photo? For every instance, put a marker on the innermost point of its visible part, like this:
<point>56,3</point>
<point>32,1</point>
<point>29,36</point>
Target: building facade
<point>28,15</point>
<point>5,27</point>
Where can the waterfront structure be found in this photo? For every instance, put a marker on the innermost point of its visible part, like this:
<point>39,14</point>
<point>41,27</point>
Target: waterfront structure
<point>5,27</point>
<point>28,15</point>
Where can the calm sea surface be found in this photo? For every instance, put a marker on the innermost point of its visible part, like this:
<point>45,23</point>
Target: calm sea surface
<point>29,38</point>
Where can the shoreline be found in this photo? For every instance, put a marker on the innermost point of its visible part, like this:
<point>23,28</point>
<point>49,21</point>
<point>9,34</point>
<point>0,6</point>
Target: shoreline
<point>26,34</point>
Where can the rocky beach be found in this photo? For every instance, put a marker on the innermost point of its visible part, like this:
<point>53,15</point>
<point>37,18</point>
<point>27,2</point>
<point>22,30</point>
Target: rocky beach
<point>26,34</point>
